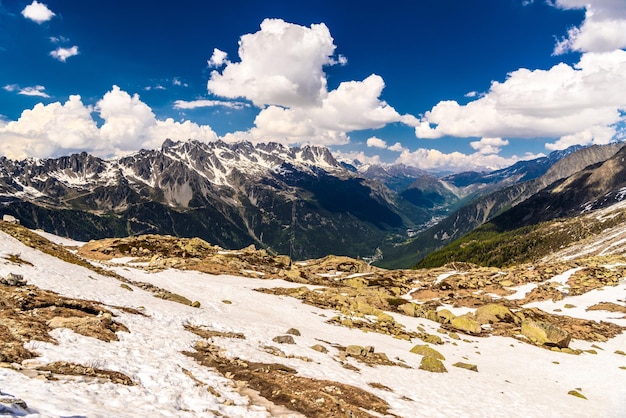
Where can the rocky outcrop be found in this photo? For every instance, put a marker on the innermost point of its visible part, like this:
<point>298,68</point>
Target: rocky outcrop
<point>549,335</point>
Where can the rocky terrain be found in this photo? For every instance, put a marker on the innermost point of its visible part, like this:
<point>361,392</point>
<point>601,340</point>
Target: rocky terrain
<point>183,327</point>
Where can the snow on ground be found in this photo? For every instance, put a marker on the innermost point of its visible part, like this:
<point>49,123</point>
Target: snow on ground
<point>514,379</point>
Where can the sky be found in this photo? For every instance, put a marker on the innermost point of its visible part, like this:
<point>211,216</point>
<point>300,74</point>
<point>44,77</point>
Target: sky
<point>445,85</point>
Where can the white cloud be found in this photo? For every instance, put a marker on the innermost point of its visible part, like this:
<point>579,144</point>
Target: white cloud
<point>27,91</point>
<point>62,54</point>
<point>435,160</point>
<point>354,105</point>
<point>376,142</point>
<point>560,102</point>
<point>282,64</point>
<point>471,94</point>
<point>489,145</point>
<point>59,129</point>
<point>603,30</point>
<point>218,59</point>
<point>281,70</point>
<point>37,12</point>
<point>46,129</point>
<point>34,91</point>
<point>352,156</point>
<point>397,147</point>
<point>193,104</point>
<point>594,135</point>
<point>58,39</point>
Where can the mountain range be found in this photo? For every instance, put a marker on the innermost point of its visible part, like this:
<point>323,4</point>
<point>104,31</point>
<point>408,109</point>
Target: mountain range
<point>299,201</point>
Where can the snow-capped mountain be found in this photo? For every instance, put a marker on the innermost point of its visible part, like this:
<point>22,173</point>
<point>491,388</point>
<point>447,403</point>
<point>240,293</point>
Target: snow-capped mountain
<point>298,201</point>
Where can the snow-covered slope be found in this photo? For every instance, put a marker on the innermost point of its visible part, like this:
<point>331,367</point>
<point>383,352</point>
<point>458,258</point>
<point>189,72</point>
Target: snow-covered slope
<point>513,379</point>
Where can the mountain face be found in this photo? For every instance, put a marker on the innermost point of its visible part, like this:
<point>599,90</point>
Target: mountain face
<point>485,208</point>
<point>297,201</point>
<point>597,186</point>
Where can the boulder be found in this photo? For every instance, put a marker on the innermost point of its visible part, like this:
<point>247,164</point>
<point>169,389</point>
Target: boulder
<point>293,331</point>
<point>431,364</point>
<point>383,317</point>
<point>12,279</point>
<point>445,316</point>
<point>542,333</point>
<point>10,219</point>
<point>427,351</point>
<point>466,324</point>
<point>431,339</point>
<point>284,339</point>
<point>410,309</point>
<point>494,313</point>
<point>355,350</point>
<point>320,348</point>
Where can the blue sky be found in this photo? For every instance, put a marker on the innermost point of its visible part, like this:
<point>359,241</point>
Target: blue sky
<point>444,85</point>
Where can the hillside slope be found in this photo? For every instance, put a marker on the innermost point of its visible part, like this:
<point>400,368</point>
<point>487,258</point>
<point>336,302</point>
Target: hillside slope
<point>289,340</point>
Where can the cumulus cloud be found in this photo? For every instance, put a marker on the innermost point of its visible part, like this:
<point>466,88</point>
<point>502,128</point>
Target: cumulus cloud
<point>281,70</point>
<point>603,30</point>
<point>38,12</point>
<point>489,145</point>
<point>59,129</point>
<point>218,59</point>
<point>281,64</point>
<point>62,54</point>
<point>564,101</point>
<point>376,142</point>
<point>193,104</point>
<point>352,106</point>
<point>435,160</point>
<point>397,147</point>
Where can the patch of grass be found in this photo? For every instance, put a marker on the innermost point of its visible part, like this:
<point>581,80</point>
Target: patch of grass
<point>16,259</point>
<point>492,246</point>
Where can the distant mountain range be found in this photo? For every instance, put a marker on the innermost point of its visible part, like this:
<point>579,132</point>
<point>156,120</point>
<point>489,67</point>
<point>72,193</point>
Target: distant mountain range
<point>299,201</point>
<point>518,204</point>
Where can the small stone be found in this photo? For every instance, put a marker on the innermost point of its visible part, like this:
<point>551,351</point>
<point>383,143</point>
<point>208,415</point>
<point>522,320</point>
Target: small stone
<point>577,394</point>
<point>620,352</point>
<point>195,304</point>
<point>467,366</point>
<point>127,287</point>
<point>227,302</point>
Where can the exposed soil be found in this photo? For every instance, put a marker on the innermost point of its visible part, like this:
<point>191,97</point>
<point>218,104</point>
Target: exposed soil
<point>282,385</point>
